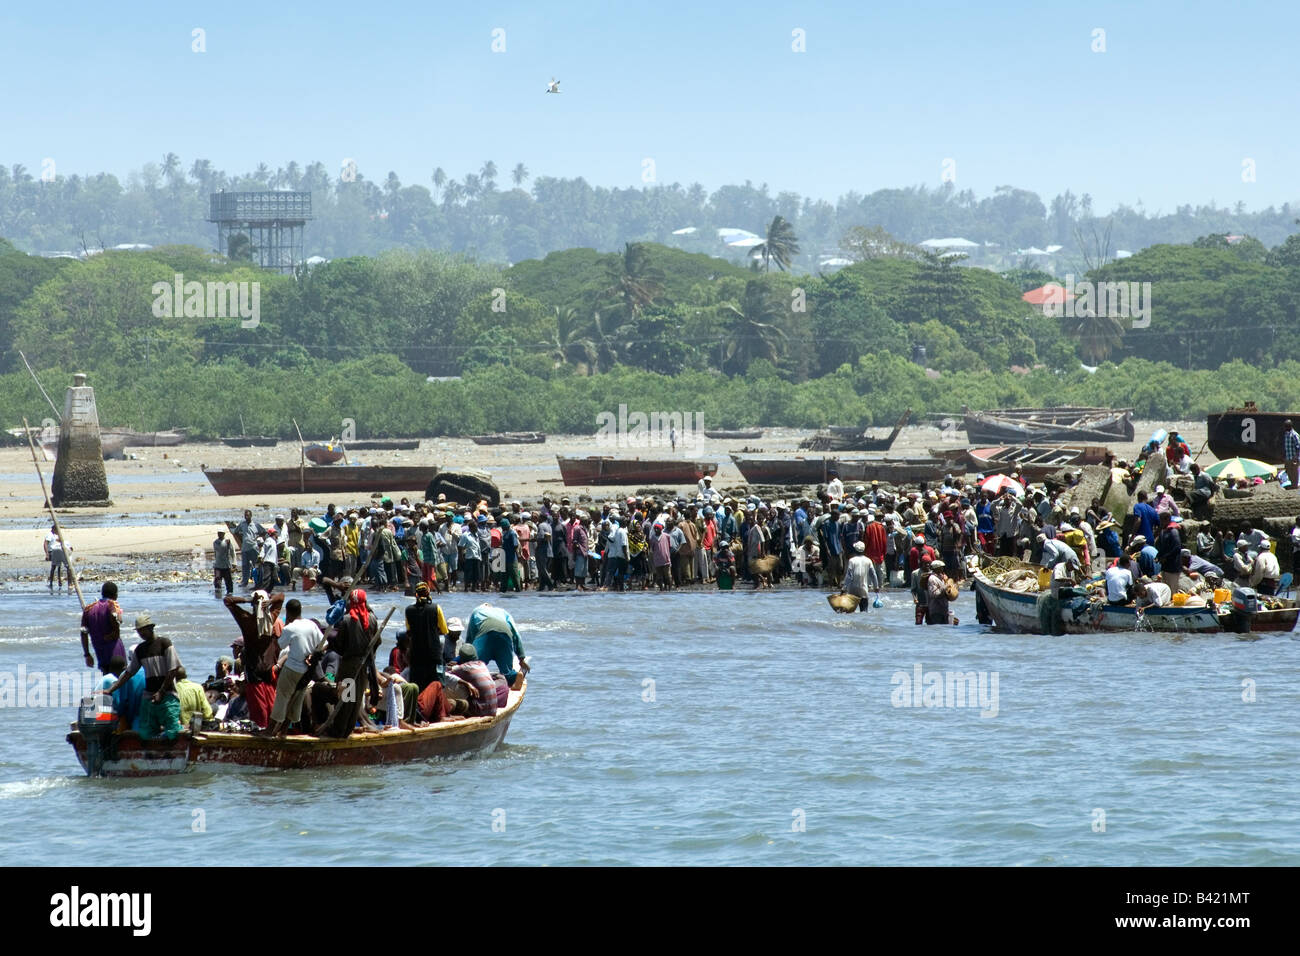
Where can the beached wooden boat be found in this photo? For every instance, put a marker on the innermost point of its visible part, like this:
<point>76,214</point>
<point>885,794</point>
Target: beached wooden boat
<point>1246,432</point>
<point>250,441</point>
<point>1034,462</point>
<point>126,755</point>
<point>323,454</point>
<point>853,438</point>
<point>1069,423</point>
<point>384,444</point>
<point>363,479</point>
<point>605,470</point>
<point>509,438</point>
<point>816,471</point>
<point>733,434</point>
<point>134,439</point>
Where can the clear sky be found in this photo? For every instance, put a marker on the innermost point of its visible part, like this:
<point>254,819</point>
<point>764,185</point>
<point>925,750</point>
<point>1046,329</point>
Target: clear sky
<point>712,92</point>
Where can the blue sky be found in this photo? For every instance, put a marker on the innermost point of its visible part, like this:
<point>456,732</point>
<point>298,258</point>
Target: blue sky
<point>712,92</point>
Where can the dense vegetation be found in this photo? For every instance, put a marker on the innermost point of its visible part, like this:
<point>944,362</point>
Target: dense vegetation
<point>548,344</point>
<point>509,217</point>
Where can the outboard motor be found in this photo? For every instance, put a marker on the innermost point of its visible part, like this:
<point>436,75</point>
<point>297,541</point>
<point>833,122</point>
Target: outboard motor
<point>1245,605</point>
<point>96,721</point>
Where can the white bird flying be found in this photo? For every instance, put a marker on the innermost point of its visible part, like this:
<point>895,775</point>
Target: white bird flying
<point>553,86</point>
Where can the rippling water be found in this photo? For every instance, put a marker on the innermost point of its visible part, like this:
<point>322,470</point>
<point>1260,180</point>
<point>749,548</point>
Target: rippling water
<point>769,735</point>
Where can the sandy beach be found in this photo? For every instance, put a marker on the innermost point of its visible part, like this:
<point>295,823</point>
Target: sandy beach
<point>164,508</point>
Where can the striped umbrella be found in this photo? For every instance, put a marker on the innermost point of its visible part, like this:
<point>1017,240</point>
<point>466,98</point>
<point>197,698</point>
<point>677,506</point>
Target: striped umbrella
<point>1234,468</point>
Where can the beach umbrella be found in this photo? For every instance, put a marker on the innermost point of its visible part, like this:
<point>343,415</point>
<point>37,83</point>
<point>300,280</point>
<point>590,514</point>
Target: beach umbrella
<point>1234,468</point>
<point>1000,483</point>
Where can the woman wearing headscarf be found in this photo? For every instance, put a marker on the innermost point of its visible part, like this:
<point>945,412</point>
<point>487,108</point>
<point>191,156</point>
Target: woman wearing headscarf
<point>354,640</point>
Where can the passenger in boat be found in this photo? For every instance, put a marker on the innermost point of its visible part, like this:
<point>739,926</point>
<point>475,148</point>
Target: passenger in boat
<point>1119,585</point>
<point>425,627</point>
<point>1145,556</point>
<point>237,704</point>
<point>301,640</point>
<point>160,707</point>
<point>354,641</point>
<point>473,677</point>
<point>101,628</point>
<point>1169,550</point>
<point>1152,593</point>
<point>192,698</point>
<point>399,657</point>
<point>399,698</point>
<point>260,629</point>
<point>126,700</point>
<point>493,635</point>
<point>1265,573</point>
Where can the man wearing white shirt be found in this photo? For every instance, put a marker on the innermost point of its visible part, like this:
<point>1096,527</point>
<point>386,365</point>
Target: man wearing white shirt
<point>58,560</point>
<point>299,639</point>
<point>1118,582</point>
<point>835,487</point>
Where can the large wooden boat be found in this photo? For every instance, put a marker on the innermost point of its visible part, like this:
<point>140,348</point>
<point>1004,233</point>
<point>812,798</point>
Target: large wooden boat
<point>1017,612</point>
<point>250,441</point>
<point>605,470</point>
<point>509,438</point>
<point>363,479</point>
<point>814,471</point>
<point>1246,432</point>
<point>103,753</point>
<point>853,438</point>
<point>1069,423</point>
<point>1034,462</point>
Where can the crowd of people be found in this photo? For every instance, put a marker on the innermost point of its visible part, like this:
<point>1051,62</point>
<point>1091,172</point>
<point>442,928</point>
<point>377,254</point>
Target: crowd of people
<point>291,674</point>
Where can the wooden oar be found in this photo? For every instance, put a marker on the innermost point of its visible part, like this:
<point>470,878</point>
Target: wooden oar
<point>72,574</point>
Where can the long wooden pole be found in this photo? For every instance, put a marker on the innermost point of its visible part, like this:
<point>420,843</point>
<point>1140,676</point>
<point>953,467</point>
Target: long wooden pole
<point>72,574</point>
<point>302,458</point>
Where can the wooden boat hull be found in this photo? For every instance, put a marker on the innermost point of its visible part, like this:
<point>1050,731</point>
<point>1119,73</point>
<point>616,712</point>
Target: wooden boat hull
<point>335,480</point>
<point>323,454</point>
<point>510,438</point>
<point>129,756</point>
<point>1226,433</point>
<point>1043,425</point>
<point>852,438</point>
<point>250,441</point>
<point>600,470</point>
<point>385,444</point>
<point>134,439</point>
<point>815,471</point>
<point>1017,613</point>
<point>733,435</point>
<point>1035,463</point>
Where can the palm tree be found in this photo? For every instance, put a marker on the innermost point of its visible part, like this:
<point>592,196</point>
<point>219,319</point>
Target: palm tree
<point>393,185</point>
<point>1098,335</point>
<point>453,193</point>
<point>633,280</point>
<point>519,174</point>
<point>261,174</point>
<point>472,186</point>
<point>780,244</point>
<point>753,332</point>
<point>570,344</point>
<point>488,174</point>
<point>171,166</point>
<point>608,336</point>
<point>439,179</point>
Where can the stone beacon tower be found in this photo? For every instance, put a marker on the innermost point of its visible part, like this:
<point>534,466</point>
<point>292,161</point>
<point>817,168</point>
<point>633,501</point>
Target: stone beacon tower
<point>79,478</point>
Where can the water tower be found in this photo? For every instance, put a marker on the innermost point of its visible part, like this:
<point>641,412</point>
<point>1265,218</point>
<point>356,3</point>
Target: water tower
<point>272,223</point>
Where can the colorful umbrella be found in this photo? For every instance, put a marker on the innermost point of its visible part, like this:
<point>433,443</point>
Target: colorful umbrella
<point>1234,468</point>
<point>1000,483</point>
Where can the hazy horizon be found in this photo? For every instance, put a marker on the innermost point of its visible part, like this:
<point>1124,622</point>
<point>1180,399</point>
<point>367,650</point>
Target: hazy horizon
<point>1165,116</point>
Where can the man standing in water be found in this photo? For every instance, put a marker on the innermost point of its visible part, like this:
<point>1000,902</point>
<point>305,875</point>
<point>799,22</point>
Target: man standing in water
<point>248,531</point>
<point>223,560</point>
<point>55,555</point>
<point>101,627</point>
